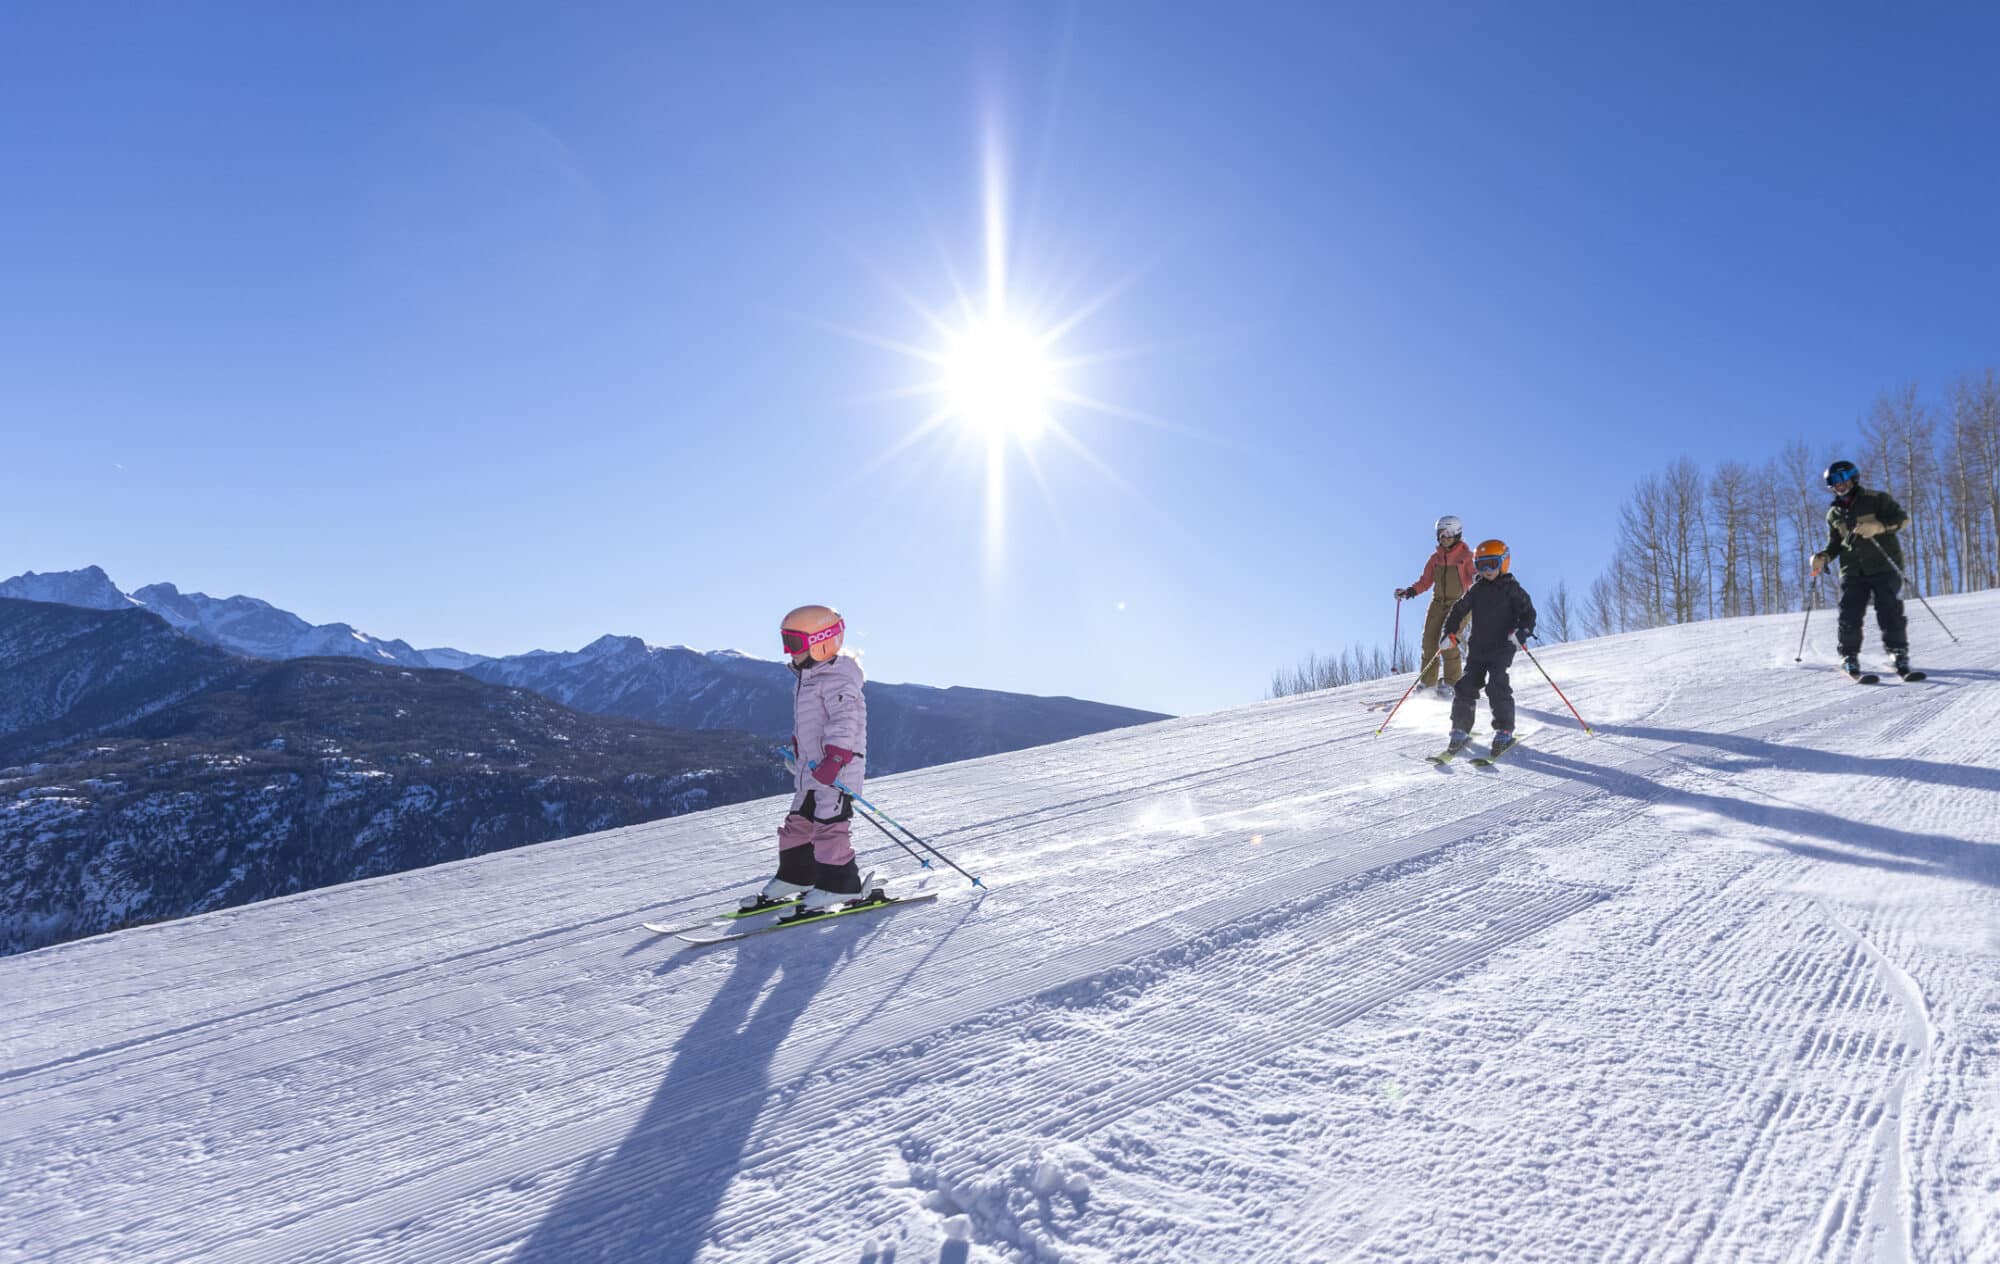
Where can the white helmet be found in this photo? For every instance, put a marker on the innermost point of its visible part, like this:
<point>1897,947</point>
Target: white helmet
<point>1449,525</point>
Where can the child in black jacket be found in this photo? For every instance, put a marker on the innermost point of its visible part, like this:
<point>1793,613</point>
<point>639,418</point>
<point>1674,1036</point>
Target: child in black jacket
<point>1501,616</point>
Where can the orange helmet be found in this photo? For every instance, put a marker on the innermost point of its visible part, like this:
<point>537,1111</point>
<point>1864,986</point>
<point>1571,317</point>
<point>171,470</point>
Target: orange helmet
<point>1492,557</point>
<point>812,634</point>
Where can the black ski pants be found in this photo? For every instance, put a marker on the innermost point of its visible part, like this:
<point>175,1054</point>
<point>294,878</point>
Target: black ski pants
<point>1485,669</point>
<point>1886,589</point>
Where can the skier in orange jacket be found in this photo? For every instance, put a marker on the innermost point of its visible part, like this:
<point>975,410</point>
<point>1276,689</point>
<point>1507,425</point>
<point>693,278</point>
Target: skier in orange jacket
<point>1449,575</point>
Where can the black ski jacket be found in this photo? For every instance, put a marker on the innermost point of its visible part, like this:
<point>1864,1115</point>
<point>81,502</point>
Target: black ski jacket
<point>1860,555</point>
<point>1499,607</point>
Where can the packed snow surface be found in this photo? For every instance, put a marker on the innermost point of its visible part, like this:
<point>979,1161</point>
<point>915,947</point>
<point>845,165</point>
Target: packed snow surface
<point>1719,983</point>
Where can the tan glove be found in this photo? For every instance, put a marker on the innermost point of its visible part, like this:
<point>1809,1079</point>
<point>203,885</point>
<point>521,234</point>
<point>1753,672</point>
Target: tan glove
<point>1867,527</point>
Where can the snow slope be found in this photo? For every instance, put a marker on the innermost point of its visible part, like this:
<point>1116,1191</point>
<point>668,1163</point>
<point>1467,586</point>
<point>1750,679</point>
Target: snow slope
<point>1721,983</point>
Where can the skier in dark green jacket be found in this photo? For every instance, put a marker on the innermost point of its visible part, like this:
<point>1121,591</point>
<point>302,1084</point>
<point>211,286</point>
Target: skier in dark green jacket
<point>1861,534</point>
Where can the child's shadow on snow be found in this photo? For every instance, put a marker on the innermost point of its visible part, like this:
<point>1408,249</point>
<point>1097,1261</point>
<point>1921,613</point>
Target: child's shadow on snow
<point>654,1197</point>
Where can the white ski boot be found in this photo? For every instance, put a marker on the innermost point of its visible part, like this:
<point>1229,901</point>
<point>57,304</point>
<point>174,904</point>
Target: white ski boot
<point>776,891</point>
<point>820,900</point>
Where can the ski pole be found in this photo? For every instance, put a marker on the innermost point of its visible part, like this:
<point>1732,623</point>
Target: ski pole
<point>1396,637</point>
<point>1906,579</point>
<point>1553,685</point>
<point>869,817</point>
<point>1812,599</point>
<point>915,837</point>
<point>1412,689</point>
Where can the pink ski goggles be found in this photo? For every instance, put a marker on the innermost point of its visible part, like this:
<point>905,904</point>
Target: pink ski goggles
<point>797,642</point>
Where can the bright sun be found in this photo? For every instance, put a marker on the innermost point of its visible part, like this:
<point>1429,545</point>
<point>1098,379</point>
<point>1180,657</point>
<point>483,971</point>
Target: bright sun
<point>999,379</point>
<point>998,376</point>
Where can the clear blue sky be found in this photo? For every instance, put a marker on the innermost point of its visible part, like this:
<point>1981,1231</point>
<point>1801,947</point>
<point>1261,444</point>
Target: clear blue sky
<point>502,326</point>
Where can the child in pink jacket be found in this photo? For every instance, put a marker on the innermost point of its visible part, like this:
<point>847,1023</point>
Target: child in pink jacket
<point>829,735</point>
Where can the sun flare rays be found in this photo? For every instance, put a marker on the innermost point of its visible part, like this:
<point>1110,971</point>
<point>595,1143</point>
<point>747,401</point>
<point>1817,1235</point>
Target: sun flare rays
<point>999,376</point>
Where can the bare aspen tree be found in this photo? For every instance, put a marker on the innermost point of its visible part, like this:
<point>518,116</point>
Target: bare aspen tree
<point>1901,438</point>
<point>1729,512</point>
<point>1601,607</point>
<point>1774,558</point>
<point>1684,539</point>
<point>1557,618</point>
<point>1805,509</point>
<point>1975,410</point>
<point>1642,596</point>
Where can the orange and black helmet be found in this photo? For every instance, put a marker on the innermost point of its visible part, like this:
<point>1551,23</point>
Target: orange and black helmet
<point>1492,557</point>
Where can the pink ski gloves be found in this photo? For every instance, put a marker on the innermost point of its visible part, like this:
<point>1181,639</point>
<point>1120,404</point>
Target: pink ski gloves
<point>827,771</point>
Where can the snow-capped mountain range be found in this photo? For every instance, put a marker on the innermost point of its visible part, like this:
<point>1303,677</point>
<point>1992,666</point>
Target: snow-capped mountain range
<point>910,726</point>
<point>145,776</point>
<point>165,753</point>
<point>241,625</point>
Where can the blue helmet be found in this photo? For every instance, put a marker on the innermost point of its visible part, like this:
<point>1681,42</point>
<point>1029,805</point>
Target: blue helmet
<point>1842,472</point>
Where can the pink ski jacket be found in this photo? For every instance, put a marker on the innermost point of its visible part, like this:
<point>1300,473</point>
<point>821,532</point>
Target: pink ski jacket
<point>829,709</point>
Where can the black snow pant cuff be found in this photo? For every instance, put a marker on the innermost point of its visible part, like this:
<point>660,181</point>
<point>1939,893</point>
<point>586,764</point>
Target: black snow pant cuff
<point>843,879</point>
<point>795,864</point>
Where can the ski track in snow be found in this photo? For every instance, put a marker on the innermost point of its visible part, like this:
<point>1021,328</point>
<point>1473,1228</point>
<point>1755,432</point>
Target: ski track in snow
<point>1718,984</point>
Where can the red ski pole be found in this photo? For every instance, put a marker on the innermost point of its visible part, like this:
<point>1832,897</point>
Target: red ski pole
<point>1413,686</point>
<point>1553,685</point>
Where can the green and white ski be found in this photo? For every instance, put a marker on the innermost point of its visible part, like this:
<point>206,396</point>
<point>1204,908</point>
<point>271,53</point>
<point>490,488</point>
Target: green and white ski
<point>874,904</point>
<point>732,915</point>
<point>1493,757</point>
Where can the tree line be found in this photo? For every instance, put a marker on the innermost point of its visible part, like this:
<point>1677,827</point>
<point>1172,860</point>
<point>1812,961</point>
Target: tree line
<point>1737,540</point>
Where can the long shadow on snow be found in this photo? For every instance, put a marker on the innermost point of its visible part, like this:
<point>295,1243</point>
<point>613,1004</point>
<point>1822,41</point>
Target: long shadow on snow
<point>1904,851</point>
<point>653,1200</point>
<point>1753,753</point>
